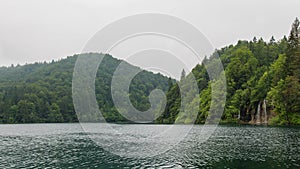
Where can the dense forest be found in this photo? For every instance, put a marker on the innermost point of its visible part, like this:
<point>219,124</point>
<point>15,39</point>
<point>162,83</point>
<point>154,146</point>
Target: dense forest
<point>42,92</point>
<point>263,82</point>
<point>263,86</point>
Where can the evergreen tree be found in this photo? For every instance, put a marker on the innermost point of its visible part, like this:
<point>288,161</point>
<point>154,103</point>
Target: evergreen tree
<point>254,39</point>
<point>272,40</point>
<point>183,74</point>
<point>286,94</point>
<point>293,50</point>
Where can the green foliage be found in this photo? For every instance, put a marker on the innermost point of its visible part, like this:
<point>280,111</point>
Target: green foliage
<point>42,92</point>
<point>255,71</point>
<point>285,95</point>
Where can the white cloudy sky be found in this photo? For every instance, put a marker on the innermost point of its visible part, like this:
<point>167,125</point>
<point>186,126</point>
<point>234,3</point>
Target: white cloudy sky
<point>39,30</point>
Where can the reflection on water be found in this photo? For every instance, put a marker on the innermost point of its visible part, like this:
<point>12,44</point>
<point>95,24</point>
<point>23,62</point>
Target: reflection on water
<point>67,146</point>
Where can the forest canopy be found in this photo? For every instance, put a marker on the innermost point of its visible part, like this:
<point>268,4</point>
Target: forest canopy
<point>263,86</point>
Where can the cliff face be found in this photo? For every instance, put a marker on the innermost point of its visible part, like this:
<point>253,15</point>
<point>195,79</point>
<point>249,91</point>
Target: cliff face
<point>261,116</point>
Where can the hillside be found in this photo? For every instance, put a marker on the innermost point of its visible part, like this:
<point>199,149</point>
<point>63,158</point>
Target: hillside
<point>263,82</point>
<point>42,92</point>
<point>263,87</point>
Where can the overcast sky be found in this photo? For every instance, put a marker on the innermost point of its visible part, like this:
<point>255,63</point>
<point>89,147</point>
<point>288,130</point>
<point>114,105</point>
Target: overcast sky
<point>42,30</point>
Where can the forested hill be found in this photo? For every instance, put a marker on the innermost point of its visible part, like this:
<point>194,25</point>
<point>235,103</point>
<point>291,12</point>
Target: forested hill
<point>42,92</point>
<point>263,87</point>
<point>263,82</point>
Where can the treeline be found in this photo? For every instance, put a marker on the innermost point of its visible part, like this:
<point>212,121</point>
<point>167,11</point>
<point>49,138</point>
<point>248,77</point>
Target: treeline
<point>258,74</point>
<point>42,92</point>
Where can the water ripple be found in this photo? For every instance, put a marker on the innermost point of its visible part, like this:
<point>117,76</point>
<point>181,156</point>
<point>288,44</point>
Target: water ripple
<point>67,146</point>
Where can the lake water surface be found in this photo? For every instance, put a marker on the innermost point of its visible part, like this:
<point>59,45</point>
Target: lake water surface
<point>68,146</point>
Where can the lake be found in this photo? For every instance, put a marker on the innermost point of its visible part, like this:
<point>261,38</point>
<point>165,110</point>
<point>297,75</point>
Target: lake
<point>68,146</point>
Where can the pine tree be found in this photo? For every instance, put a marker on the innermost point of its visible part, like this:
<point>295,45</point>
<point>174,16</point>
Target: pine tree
<point>291,86</point>
<point>294,35</point>
<point>183,74</point>
<point>293,51</point>
<point>254,39</point>
<point>272,40</point>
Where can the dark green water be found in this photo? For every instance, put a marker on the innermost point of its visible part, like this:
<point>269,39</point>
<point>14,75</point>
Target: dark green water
<point>67,146</point>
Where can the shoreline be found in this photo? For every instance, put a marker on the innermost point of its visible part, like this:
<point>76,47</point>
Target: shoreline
<point>218,124</point>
